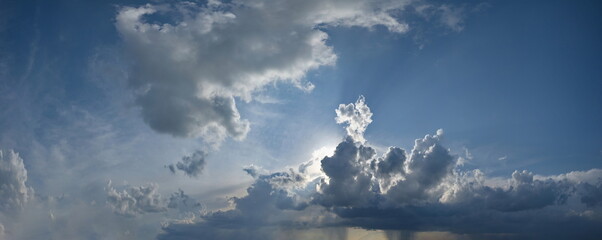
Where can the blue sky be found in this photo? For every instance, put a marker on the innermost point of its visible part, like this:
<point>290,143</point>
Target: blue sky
<point>105,103</point>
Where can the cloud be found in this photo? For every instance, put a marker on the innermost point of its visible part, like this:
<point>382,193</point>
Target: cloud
<point>591,194</point>
<point>254,171</point>
<point>191,165</point>
<point>449,16</point>
<point>591,176</point>
<point>183,203</point>
<point>419,190</point>
<point>139,200</point>
<point>271,199</point>
<point>357,117</point>
<point>188,70</point>
<point>14,192</point>
<point>134,201</point>
<point>452,17</point>
<point>348,183</point>
<point>392,163</point>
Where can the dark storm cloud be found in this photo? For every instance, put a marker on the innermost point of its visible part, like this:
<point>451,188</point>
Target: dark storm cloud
<point>191,165</point>
<point>417,191</point>
<point>349,183</point>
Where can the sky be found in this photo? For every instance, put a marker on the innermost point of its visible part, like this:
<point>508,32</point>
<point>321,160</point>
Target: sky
<point>287,119</point>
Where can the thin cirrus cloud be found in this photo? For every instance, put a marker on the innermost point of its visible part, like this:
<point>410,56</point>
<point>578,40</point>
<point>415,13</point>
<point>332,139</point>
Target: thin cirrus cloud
<point>187,75</point>
<point>419,190</point>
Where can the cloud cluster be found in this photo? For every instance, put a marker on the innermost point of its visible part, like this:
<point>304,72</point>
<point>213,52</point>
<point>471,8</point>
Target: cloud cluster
<point>183,203</point>
<point>191,165</point>
<point>138,200</point>
<point>190,61</point>
<point>134,201</point>
<point>357,178</point>
<point>14,192</point>
<point>419,190</point>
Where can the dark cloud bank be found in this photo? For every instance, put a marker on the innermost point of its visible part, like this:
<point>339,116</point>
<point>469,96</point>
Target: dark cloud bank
<point>416,190</point>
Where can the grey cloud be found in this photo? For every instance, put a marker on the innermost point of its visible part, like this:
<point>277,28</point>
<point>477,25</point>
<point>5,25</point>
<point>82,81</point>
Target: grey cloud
<point>134,201</point>
<point>591,194</point>
<point>270,192</point>
<point>392,164</point>
<point>348,183</point>
<point>262,207</point>
<point>592,176</point>
<point>429,162</point>
<point>187,73</point>
<point>521,193</point>
<point>422,190</point>
<point>183,203</point>
<point>254,171</point>
<point>427,166</point>
<point>14,192</point>
<point>526,195</point>
<point>191,165</point>
<point>522,177</point>
<point>356,178</point>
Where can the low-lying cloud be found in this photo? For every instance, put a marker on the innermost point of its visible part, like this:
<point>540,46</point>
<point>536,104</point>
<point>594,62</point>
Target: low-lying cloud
<point>419,190</point>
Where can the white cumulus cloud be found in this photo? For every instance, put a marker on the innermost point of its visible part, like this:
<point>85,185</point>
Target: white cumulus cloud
<point>188,71</point>
<point>135,200</point>
<point>14,192</point>
<point>357,116</point>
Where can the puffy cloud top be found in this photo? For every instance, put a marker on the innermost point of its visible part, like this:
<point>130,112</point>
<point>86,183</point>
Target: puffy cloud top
<point>14,192</point>
<point>135,200</point>
<point>422,190</point>
<point>357,116</point>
